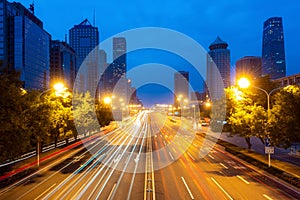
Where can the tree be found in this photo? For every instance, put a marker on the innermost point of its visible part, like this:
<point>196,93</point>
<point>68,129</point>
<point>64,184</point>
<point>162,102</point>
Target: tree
<point>249,121</point>
<point>104,114</point>
<point>14,138</point>
<point>84,113</point>
<point>285,117</point>
<point>244,116</point>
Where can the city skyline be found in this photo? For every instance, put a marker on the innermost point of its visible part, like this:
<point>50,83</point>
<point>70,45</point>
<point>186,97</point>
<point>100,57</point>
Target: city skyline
<point>200,21</point>
<point>203,31</point>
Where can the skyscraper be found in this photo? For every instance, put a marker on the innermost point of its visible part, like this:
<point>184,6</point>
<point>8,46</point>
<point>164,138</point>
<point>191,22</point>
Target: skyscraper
<point>62,63</point>
<point>218,62</point>
<point>24,45</point>
<point>119,56</point>
<point>83,39</point>
<point>181,86</point>
<point>273,54</point>
<point>248,66</point>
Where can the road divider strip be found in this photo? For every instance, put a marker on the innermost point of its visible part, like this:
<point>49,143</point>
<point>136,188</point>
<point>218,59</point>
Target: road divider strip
<point>243,179</point>
<point>221,188</point>
<point>187,187</point>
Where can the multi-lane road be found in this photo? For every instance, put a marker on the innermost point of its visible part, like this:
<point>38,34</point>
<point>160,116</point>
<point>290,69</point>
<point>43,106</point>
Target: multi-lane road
<point>149,157</point>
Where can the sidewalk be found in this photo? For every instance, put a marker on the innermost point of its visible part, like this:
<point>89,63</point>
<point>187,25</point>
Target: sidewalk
<point>257,146</point>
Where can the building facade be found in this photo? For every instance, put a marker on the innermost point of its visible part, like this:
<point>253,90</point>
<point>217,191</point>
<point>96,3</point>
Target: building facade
<point>181,87</point>
<point>24,45</point>
<point>248,66</point>
<point>273,53</point>
<point>62,63</point>
<point>218,69</point>
<point>119,58</point>
<point>288,80</point>
<point>84,38</point>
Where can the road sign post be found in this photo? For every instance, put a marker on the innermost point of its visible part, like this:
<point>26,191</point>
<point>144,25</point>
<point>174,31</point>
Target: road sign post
<point>269,151</point>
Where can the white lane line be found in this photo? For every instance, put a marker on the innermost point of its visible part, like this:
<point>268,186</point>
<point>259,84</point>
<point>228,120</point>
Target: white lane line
<point>221,188</point>
<point>171,155</point>
<point>243,179</point>
<point>165,143</point>
<point>191,156</point>
<point>223,165</point>
<point>267,197</point>
<point>187,187</point>
<point>45,191</point>
<point>111,192</point>
<point>211,156</point>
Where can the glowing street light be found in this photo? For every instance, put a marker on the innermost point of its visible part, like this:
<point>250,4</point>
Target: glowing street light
<point>59,89</point>
<point>107,100</point>
<point>245,83</point>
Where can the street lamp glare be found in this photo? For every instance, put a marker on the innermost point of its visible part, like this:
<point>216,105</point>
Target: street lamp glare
<point>243,83</point>
<point>59,87</point>
<point>107,100</point>
<point>207,104</point>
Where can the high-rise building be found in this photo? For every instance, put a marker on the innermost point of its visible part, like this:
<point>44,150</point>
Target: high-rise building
<point>273,54</point>
<point>24,45</point>
<point>119,56</point>
<point>181,87</point>
<point>218,68</point>
<point>248,66</point>
<point>62,63</point>
<point>84,38</point>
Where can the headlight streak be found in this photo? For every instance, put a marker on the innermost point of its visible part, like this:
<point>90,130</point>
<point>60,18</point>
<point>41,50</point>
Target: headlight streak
<point>143,137</point>
<point>80,168</point>
<point>135,169</point>
<point>109,166</point>
<point>103,186</point>
<point>61,168</point>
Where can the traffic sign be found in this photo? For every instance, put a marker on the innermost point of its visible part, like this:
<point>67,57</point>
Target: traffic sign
<point>269,150</point>
<point>267,142</point>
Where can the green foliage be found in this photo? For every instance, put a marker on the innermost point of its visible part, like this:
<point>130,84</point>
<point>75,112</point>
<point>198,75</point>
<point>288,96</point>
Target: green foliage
<point>84,113</point>
<point>285,117</point>
<point>14,139</point>
<point>104,114</point>
<point>245,118</point>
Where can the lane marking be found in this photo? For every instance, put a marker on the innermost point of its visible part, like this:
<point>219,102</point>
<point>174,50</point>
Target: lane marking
<point>187,187</point>
<point>171,155</point>
<point>223,165</point>
<point>45,192</point>
<point>267,197</point>
<point>111,192</point>
<point>211,156</point>
<point>191,156</point>
<point>243,179</point>
<point>221,188</point>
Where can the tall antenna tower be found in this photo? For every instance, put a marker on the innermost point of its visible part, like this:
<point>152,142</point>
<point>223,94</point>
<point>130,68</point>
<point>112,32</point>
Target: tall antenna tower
<point>31,7</point>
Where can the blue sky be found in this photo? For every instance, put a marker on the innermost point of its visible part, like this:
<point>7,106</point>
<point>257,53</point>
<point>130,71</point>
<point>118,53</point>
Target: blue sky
<point>238,22</point>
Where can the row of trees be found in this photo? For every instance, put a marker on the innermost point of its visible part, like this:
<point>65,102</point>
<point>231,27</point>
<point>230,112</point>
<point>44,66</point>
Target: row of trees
<point>247,114</point>
<point>29,117</point>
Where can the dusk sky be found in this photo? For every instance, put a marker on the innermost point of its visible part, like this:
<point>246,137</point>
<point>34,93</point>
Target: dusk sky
<point>238,22</point>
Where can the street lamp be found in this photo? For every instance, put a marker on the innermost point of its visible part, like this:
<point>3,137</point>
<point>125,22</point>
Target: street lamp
<point>245,83</point>
<point>59,89</point>
<point>195,123</point>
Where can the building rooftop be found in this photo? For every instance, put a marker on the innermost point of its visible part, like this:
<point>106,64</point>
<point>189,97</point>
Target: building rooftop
<point>218,44</point>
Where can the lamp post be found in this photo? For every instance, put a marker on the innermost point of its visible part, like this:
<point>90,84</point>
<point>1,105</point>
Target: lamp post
<point>195,123</point>
<point>244,83</point>
<point>59,88</point>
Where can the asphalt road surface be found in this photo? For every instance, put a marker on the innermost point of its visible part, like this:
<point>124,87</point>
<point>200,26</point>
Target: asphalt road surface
<point>149,157</point>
